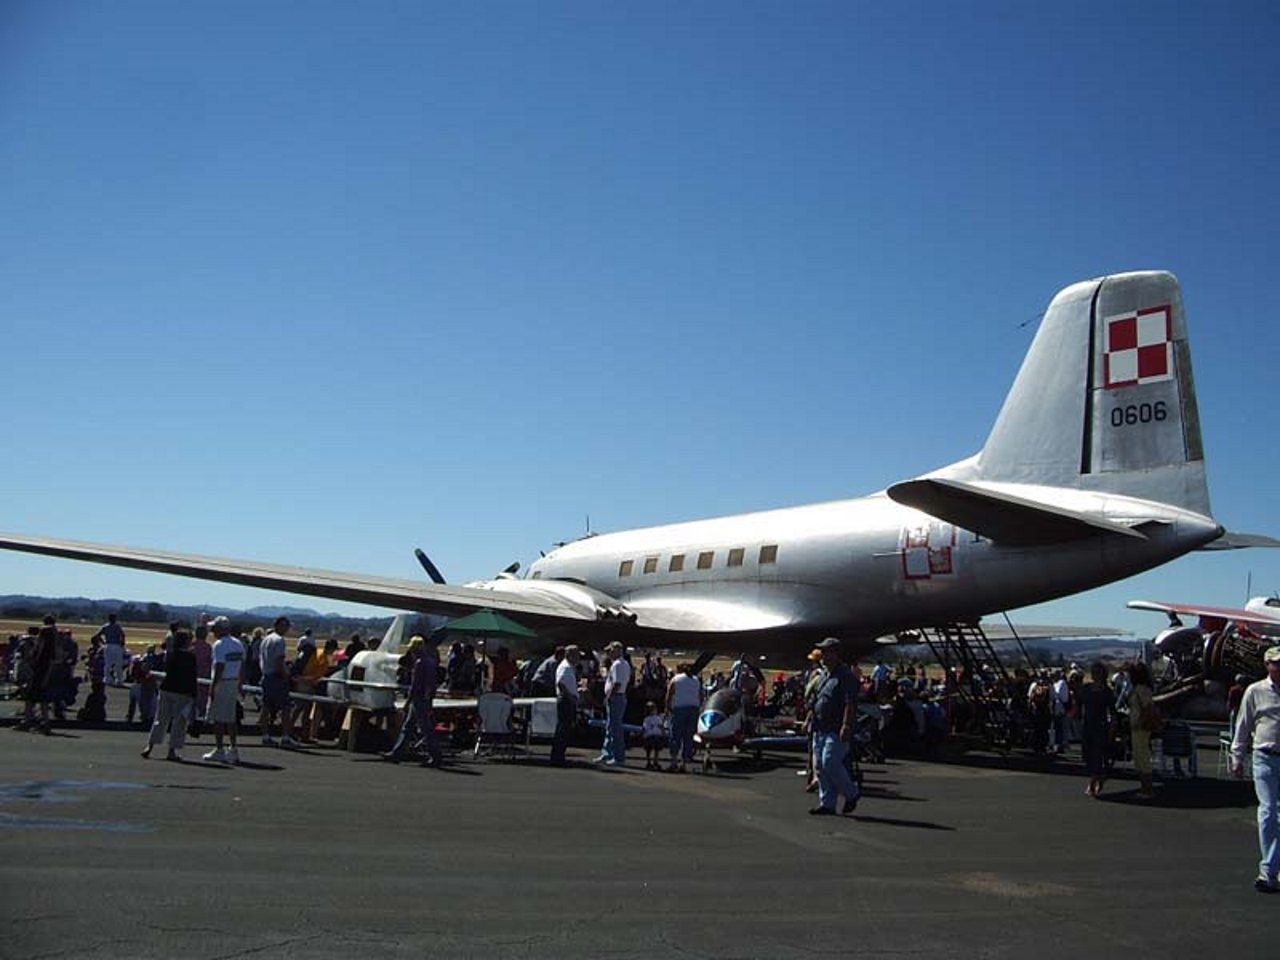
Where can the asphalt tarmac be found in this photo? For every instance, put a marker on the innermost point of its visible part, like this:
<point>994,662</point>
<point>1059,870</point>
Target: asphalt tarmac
<point>318,853</point>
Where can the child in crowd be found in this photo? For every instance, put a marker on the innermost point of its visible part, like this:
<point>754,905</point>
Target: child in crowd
<point>655,736</point>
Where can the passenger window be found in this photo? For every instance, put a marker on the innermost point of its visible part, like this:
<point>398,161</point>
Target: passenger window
<point>537,575</point>
<point>650,564</point>
<point>624,568</point>
<point>677,563</point>
<point>735,556</point>
<point>769,553</point>
<point>705,558</point>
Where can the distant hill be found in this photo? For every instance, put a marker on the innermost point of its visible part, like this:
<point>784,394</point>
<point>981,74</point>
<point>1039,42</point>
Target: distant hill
<point>18,606</point>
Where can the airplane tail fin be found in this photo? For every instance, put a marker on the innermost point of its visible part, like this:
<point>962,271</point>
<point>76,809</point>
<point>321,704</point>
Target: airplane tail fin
<point>1105,399</point>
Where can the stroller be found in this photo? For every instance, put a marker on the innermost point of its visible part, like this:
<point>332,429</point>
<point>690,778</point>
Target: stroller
<point>868,739</point>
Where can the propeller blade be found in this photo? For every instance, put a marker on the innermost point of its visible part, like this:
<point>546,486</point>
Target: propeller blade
<point>432,571</point>
<point>704,658</point>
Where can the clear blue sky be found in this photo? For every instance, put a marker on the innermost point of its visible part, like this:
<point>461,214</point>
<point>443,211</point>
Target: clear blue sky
<point>316,283</point>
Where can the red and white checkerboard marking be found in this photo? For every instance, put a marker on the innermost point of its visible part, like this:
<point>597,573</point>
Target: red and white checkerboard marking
<point>1139,347</point>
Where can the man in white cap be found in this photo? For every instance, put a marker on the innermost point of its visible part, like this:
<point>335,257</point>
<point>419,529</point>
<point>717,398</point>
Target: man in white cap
<point>1258,726</point>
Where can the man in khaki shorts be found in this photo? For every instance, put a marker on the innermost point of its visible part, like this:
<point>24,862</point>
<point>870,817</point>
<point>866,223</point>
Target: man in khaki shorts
<point>224,689</point>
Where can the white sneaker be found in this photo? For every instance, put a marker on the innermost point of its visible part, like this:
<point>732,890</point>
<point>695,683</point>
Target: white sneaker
<point>269,741</point>
<point>217,756</point>
<point>288,742</point>
<point>233,756</point>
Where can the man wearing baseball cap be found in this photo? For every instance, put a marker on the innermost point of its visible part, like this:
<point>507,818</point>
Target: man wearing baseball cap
<point>224,690</point>
<point>1258,726</point>
<point>834,711</point>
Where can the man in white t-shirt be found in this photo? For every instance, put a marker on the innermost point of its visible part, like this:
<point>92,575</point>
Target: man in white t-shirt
<point>566,703</point>
<point>616,684</point>
<point>224,690</point>
<point>684,697</point>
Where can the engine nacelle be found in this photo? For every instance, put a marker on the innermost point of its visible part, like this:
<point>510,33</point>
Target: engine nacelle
<point>369,666</point>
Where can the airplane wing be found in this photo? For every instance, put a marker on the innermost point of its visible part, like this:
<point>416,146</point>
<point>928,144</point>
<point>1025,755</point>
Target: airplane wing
<point>561,605</point>
<point>1039,631</point>
<point>1196,610</point>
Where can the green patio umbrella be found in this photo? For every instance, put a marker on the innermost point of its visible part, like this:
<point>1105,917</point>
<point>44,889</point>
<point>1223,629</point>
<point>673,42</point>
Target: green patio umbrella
<point>488,623</point>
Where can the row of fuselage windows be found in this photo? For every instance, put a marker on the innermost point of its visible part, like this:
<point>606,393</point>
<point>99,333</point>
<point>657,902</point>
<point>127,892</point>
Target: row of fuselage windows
<point>705,560</point>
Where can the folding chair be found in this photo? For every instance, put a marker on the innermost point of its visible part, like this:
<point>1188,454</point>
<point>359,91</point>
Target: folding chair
<point>1224,747</point>
<point>542,720</point>
<point>494,710</point>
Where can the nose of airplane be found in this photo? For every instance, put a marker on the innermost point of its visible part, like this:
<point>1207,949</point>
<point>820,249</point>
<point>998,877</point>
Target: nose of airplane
<point>710,719</point>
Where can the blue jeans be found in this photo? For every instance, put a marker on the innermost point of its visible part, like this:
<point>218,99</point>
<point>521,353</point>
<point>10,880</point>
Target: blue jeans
<point>833,775</point>
<point>419,724</point>
<point>615,738</point>
<point>684,722</point>
<point>1266,784</point>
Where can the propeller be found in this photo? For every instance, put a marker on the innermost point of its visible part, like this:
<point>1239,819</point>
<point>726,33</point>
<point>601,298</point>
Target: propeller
<point>432,570</point>
<point>704,658</point>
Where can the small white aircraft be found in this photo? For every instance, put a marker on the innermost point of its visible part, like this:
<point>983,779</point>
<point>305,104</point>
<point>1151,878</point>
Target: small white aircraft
<point>1094,471</point>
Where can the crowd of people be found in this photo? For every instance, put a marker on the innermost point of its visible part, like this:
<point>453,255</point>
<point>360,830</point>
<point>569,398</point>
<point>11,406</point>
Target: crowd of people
<point>1106,715</point>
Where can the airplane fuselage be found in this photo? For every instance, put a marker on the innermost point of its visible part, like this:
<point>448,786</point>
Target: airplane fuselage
<point>853,568</point>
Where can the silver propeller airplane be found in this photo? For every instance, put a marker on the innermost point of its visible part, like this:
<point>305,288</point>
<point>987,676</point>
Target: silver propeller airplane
<point>1094,471</point>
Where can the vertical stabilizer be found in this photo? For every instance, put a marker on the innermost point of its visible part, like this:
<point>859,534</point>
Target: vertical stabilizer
<point>1105,399</point>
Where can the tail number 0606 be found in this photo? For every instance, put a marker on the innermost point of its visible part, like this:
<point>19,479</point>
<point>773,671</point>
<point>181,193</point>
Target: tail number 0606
<point>1139,413</point>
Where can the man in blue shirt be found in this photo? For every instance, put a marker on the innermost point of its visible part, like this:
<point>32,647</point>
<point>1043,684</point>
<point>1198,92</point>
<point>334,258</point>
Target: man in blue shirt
<point>835,709</point>
<point>117,659</point>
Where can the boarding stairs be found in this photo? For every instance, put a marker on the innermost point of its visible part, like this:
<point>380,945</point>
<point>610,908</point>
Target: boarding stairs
<point>963,649</point>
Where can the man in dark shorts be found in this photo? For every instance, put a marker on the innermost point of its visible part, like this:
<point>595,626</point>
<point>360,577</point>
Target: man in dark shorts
<point>275,684</point>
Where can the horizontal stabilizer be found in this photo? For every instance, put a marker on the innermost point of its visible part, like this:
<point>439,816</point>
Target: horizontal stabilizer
<point>1241,541</point>
<point>1001,517</point>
